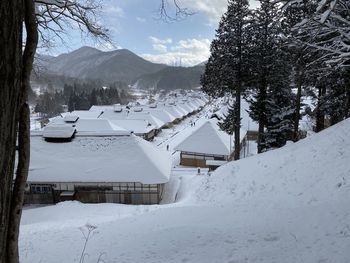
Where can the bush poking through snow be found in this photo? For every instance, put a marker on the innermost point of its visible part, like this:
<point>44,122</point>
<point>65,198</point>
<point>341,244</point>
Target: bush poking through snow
<point>88,231</point>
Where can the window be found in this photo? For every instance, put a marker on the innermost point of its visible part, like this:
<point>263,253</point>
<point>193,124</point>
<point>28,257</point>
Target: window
<point>40,189</point>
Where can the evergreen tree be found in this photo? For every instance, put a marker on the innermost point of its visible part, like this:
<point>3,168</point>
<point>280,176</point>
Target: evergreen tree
<point>227,125</point>
<point>265,61</point>
<point>334,100</point>
<point>226,70</point>
<point>279,116</point>
<point>93,97</point>
<point>71,102</point>
<point>298,50</point>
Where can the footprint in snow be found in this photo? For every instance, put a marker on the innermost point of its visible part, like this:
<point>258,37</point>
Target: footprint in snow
<point>271,239</point>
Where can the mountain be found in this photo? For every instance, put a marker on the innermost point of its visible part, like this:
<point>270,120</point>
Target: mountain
<point>91,63</point>
<point>171,78</point>
<point>87,63</point>
<point>202,63</point>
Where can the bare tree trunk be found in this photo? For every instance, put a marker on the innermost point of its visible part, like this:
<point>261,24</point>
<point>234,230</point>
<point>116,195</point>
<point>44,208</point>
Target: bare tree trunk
<point>347,92</point>
<point>297,105</point>
<point>320,117</point>
<point>10,84</point>
<point>347,107</point>
<point>262,115</point>
<point>237,122</point>
<point>23,133</point>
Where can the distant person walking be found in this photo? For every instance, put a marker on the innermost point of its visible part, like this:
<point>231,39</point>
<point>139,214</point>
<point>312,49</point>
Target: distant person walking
<point>167,147</point>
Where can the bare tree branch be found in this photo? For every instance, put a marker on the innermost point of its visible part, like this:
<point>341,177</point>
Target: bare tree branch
<point>177,12</point>
<point>55,16</point>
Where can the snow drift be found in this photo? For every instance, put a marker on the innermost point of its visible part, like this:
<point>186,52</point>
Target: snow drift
<point>287,205</point>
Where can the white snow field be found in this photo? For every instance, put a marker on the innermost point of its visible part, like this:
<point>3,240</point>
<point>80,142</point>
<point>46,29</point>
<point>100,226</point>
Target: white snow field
<point>287,205</point>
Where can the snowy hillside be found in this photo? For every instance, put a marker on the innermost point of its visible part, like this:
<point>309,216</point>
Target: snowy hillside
<point>287,205</point>
<point>312,171</point>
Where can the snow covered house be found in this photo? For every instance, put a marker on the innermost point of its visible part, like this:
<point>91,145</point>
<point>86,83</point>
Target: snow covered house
<point>81,127</point>
<point>163,115</point>
<point>205,145</point>
<point>94,169</point>
<point>140,128</point>
<point>142,123</point>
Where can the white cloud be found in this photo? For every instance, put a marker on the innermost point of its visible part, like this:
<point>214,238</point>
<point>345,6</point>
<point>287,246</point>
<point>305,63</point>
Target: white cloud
<point>213,9</point>
<point>160,48</point>
<point>110,16</point>
<point>160,45</point>
<point>187,52</point>
<point>141,20</point>
<point>160,41</point>
<point>113,10</point>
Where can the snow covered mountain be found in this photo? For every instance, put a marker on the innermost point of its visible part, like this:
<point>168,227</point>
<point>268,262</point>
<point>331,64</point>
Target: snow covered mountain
<point>119,65</point>
<point>91,63</point>
<point>287,205</point>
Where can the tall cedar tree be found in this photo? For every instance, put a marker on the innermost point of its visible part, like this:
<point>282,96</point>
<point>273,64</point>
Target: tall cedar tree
<point>335,102</point>
<point>280,104</point>
<point>298,51</point>
<point>264,54</point>
<point>226,125</point>
<point>226,69</point>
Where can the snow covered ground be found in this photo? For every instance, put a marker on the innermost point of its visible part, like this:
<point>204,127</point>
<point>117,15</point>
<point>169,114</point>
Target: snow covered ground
<point>287,205</point>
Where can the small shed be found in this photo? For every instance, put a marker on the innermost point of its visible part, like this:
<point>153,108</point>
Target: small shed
<point>59,132</point>
<point>207,142</point>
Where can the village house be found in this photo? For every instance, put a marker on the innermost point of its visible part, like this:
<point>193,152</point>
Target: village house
<point>95,169</point>
<point>206,147</point>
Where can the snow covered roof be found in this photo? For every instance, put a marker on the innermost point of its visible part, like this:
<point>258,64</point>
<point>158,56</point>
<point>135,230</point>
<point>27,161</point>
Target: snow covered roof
<point>173,110</point>
<point>196,102</point>
<point>58,131</point>
<point>101,107</point>
<point>117,108</point>
<point>153,105</point>
<point>207,139</point>
<point>137,109</point>
<point>130,115</point>
<point>186,107</point>
<point>92,127</point>
<point>162,114</point>
<point>98,159</point>
<point>135,126</point>
<point>70,117</point>
<point>84,114</point>
<point>181,110</point>
<point>101,127</point>
<point>193,105</point>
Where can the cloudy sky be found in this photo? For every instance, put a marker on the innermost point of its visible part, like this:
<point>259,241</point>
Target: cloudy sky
<point>135,25</point>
